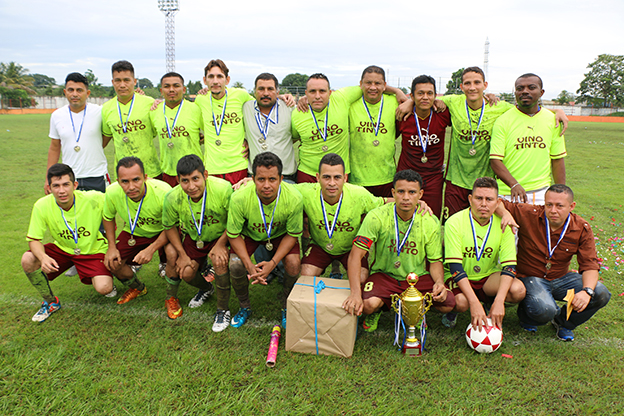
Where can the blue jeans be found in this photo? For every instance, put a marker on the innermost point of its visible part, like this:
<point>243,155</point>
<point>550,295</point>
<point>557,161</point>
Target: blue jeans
<point>539,306</point>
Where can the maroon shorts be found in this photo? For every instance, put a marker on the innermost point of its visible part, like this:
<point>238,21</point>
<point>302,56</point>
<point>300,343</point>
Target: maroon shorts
<point>381,190</point>
<point>171,180</point>
<point>159,177</point>
<point>232,177</point>
<point>252,245</point>
<point>382,286</point>
<point>320,258</point>
<point>303,177</point>
<point>455,199</point>
<point>432,194</point>
<point>197,254</point>
<point>88,265</point>
<point>128,253</point>
<point>477,286</point>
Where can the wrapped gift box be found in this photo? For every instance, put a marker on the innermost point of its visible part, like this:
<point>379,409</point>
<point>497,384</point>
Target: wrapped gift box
<point>316,322</point>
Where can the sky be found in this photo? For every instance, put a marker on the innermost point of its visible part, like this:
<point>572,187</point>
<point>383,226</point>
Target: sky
<point>554,39</point>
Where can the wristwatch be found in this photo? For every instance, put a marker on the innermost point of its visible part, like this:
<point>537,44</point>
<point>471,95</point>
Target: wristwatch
<point>589,291</point>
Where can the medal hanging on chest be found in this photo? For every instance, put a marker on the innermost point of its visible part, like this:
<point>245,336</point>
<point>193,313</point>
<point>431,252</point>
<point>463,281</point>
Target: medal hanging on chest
<point>330,230</point>
<point>199,227</point>
<point>473,134</point>
<point>479,250</point>
<point>124,125</point>
<point>74,231</point>
<point>424,143</point>
<point>550,250</point>
<point>269,228</point>
<point>175,120</point>
<point>71,117</point>
<point>401,244</point>
<point>133,224</point>
<point>325,148</point>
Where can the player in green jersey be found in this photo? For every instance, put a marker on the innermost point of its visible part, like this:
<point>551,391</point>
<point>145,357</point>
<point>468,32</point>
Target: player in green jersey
<point>481,259</point>
<point>126,121</point>
<point>73,219</point>
<point>199,207</point>
<point>139,202</point>
<point>270,213</point>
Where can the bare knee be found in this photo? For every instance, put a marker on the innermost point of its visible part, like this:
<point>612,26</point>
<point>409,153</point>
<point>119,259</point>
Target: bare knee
<point>237,268</point>
<point>516,292</point>
<point>310,270</point>
<point>30,263</point>
<point>292,264</point>
<point>372,305</point>
<point>102,284</point>
<point>461,304</point>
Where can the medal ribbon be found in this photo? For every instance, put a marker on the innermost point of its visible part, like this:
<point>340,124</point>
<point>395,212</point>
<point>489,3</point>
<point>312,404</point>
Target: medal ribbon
<point>565,228</point>
<point>259,115</point>
<point>479,251</point>
<point>124,126</point>
<point>75,230</point>
<point>330,231</point>
<point>396,229</point>
<point>84,115</point>
<point>136,217</point>
<point>201,220</point>
<point>174,120</point>
<point>473,136</point>
<point>316,122</point>
<point>423,143</point>
<point>378,124</point>
<point>218,129</point>
<point>270,227</point>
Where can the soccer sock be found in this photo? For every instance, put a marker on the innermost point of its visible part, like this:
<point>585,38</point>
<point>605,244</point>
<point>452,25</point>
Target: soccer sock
<point>173,284</point>
<point>133,282</point>
<point>200,283</point>
<point>40,281</point>
<point>222,284</point>
<point>289,283</point>
<point>241,288</point>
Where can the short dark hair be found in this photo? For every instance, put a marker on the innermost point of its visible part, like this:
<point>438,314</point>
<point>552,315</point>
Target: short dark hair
<point>424,79</point>
<point>122,66</point>
<point>473,69</point>
<point>318,75</point>
<point>189,164</point>
<point>407,175</point>
<point>128,162</point>
<point>373,69</point>
<point>332,159</point>
<point>77,77</point>
<point>172,74</point>
<point>219,64</point>
<point>267,77</point>
<point>528,75</point>
<point>60,169</point>
<point>485,182</point>
<point>267,160</point>
<point>560,188</point>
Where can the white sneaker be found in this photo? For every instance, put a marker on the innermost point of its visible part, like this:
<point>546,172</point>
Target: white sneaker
<point>161,269</point>
<point>221,321</point>
<point>72,271</point>
<point>201,297</point>
<point>136,268</point>
<point>112,293</point>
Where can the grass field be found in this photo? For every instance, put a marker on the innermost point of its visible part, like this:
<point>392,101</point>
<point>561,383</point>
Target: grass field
<point>95,357</point>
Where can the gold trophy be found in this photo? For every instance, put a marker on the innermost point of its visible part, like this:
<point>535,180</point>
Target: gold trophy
<point>414,306</point>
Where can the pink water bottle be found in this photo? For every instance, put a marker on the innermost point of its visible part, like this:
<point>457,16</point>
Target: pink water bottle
<point>275,337</point>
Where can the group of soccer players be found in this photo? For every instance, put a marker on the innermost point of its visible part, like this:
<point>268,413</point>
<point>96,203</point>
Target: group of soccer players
<point>343,200</point>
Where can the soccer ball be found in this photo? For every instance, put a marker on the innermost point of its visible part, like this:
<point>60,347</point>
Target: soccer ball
<point>485,341</point>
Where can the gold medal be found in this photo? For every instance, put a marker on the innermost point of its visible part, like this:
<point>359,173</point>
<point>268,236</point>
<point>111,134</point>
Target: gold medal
<point>397,264</point>
<point>131,242</point>
<point>424,159</point>
<point>375,142</point>
<point>329,247</point>
<point>548,265</point>
<point>77,148</point>
<point>269,246</point>
<point>325,148</point>
<point>76,251</point>
<point>477,269</point>
<point>125,139</point>
<point>265,147</point>
<point>170,145</point>
<point>261,141</point>
<point>472,152</point>
<point>199,244</point>
<point>218,142</point>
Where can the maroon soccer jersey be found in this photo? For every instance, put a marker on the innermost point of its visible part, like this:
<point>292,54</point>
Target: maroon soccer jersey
<point>412,152</point>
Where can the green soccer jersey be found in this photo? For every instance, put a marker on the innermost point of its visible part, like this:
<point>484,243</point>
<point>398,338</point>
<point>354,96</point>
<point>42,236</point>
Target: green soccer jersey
<point>459,246</point>
<point>526,146</point>
<point>463,168</point>
<point>313,146</point>
<point>184,137</point>
<point>423,242</point>
<point>149,222</point>
<point>85,216</point>
<point>178,212</point>
<point>246,218</point>
<point>224,130</point>
<point>356,201</point>
<point>372,148</point>
<point>132,135</point>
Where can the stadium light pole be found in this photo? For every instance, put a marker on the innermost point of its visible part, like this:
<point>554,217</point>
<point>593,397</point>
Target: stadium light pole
<point>169,9</point>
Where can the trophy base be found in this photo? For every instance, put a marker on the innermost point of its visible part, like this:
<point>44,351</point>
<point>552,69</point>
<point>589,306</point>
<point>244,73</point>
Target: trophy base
<point>412,348</point>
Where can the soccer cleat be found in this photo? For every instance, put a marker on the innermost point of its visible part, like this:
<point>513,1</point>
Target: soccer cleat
<point>563,333</point>
<point>131,294</point>
<point>528,328</point>
<point>135,268</point>
<point>284,318</point>
<point>221,321</point>
<point>112,293</point>
<point>208,273</point>
<point>46,310</point>
<point>335,276</point>
<point>241,317</point>
<point>371,321</point>
<point>449,319</point>
<point>201,297</point>
<point>161,269</point>
<point>174,310</point>
<point>72,271</point>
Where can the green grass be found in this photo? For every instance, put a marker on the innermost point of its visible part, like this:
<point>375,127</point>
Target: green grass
<point>94,357</point>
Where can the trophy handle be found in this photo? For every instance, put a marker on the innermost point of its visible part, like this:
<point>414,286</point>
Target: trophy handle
<point>427,302</point>
<point>393,301</point>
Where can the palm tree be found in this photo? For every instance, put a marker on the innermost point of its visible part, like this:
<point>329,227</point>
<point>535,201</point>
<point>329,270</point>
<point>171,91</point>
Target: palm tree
<point>15,76</point>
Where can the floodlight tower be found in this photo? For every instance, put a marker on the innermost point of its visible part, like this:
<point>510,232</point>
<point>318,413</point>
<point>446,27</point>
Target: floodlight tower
<point>169,9</point>
<point>486,57</point>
